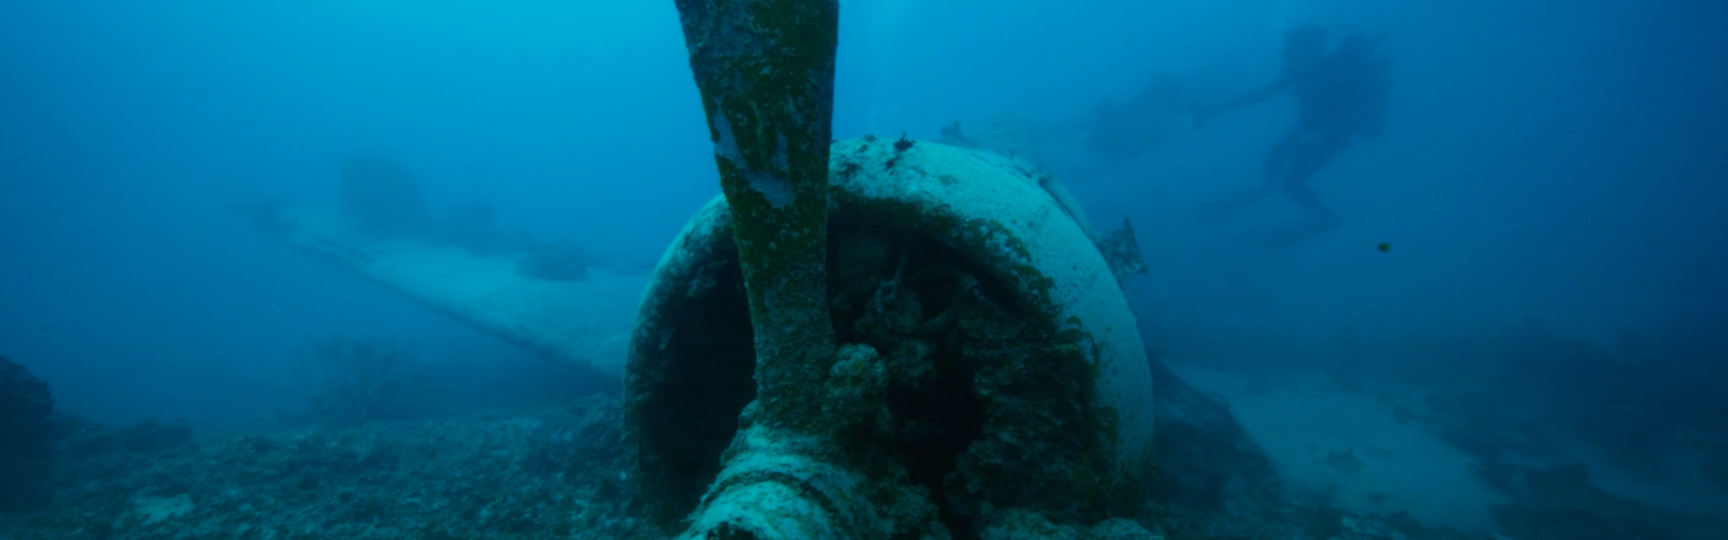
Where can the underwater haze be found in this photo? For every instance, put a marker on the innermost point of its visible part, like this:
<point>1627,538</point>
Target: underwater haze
<point>1532,244</point>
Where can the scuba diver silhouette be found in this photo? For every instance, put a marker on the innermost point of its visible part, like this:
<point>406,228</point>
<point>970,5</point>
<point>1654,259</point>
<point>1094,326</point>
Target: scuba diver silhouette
<point>1341,95</point>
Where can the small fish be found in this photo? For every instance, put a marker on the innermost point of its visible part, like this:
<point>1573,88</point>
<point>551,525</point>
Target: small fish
<point>1384,247</point>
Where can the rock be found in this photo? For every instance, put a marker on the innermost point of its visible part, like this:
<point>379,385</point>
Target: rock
<point>25,450</point>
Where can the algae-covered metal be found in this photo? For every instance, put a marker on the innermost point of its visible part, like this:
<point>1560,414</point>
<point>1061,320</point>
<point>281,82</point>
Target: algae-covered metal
<point>995,365</point>
<point>765,69</point>
<point>979,371</point>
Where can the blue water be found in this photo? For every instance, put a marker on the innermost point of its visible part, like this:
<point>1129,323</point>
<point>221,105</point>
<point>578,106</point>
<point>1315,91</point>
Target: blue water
<point>1560,165</point>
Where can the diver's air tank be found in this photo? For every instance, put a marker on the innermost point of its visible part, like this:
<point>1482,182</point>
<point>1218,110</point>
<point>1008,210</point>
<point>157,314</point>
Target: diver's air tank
<point>990,366</point>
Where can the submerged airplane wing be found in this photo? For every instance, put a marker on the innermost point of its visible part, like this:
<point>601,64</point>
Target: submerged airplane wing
<point>585,322</point>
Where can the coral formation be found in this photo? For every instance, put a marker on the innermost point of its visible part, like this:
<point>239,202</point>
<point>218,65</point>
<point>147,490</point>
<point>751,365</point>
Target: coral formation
<point>552,473</point>
<point>26,453</point>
